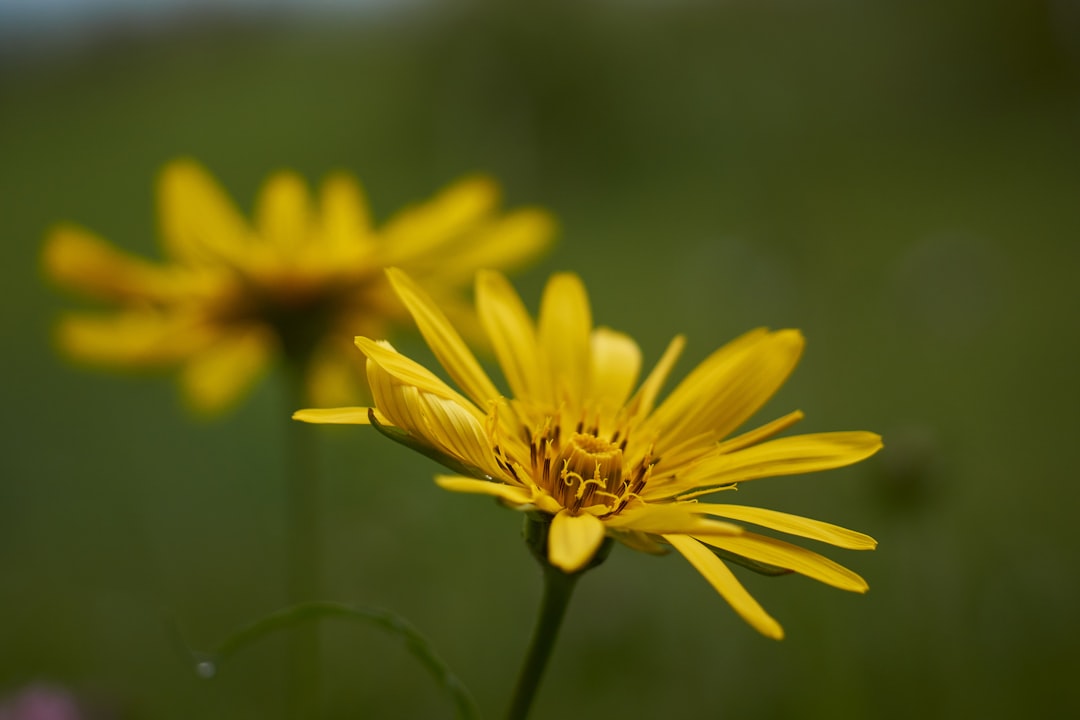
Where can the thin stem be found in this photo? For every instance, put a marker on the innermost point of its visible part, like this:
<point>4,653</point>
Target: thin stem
<point>558,587</point>
<point>304,577</point>
<point>208,664</point>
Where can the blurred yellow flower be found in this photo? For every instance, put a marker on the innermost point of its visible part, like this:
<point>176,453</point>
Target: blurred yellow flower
<point>575,443</point>
<point>300,279</point>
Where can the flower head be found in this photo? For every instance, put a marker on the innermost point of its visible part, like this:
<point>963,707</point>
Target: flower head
<point>300,279</point>
<point>579,440</point>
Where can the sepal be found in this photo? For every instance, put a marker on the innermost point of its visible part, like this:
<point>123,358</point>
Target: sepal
<point>758,567</point>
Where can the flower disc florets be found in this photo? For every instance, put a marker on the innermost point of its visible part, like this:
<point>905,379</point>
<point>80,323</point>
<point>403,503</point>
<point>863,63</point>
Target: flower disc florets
<point>583,471</point>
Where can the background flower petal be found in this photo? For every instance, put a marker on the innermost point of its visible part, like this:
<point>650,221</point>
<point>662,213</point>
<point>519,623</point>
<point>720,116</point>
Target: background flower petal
<point>83,261</point>
<point>130,339</point>
<point>345,216</point>
<point>199,222</point>
<point>283,213</point>
<point>217,376</point>
<point>507,242</point>
<point>415,234</point>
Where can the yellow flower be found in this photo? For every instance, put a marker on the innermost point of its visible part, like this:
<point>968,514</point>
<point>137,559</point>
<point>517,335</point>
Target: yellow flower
<point>300,279</point>
<point>575,442</point>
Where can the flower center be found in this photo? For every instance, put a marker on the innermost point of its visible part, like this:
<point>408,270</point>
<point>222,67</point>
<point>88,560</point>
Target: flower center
<point>582,470</point>
<point>586,471</point>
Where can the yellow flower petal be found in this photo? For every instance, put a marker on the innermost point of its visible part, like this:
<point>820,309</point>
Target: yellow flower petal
<point>507,493</point>
<point>616,362</point>
<point>730,385</point>
<point>398,402</point>
<point>792,557</point>
<point>428,410</point>
<point>283,213</point>
<point>642,403</point>
<point>564,328</point>
<point>513,336</point>
<point>723,580</point>
<point>198,220</point>
<point>682,518</point>
<point>454,430</point>
<point>444,340</point>
<point>792,525</point>
<point>785,456</point>
<point>687,395</point>
<point>760,434</point>
<point>405,370</point>
<point>218,376</point>
<point>332,416</point>
<point>573,540</point>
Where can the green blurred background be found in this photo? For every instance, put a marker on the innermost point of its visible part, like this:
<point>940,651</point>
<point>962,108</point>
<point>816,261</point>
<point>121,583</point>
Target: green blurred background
<point>899,179</point>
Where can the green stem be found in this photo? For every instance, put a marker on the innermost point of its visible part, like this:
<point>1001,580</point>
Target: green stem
<point>207,665</point>
<point>303,564</point>
<point>558,587</point>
